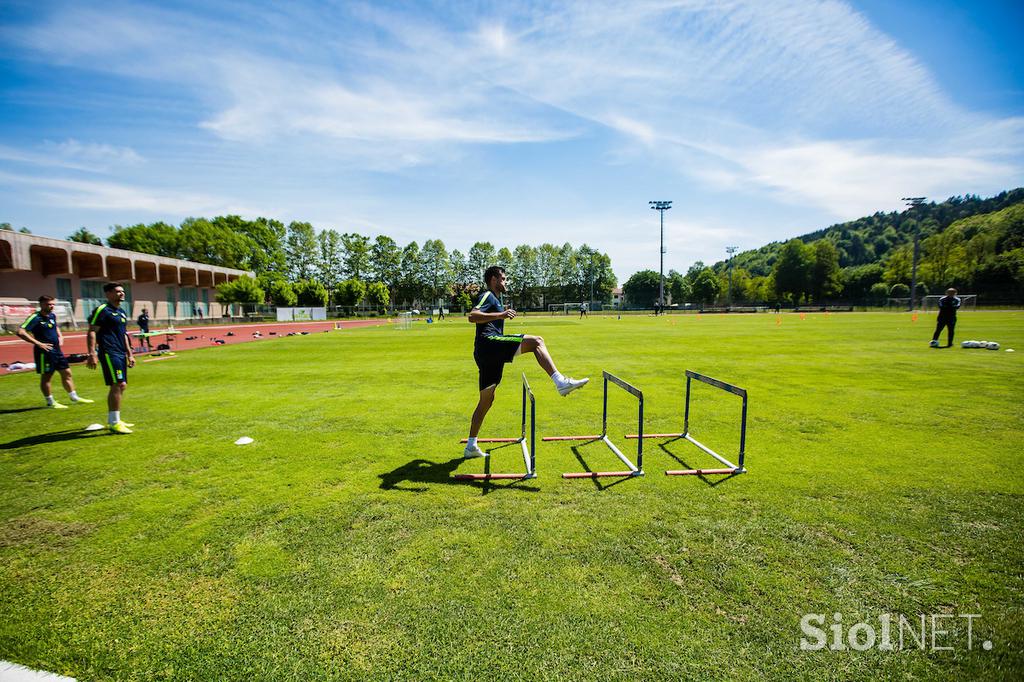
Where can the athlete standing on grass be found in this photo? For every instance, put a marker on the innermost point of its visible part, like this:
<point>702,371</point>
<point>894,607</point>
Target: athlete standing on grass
<point>492,348</point>
<point>46,340</point>
<point>110,348</point>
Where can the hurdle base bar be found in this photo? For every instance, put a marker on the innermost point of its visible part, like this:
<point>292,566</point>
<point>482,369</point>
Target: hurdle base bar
<point>602,474</point>
<point>594,437</point>
<point>705,472</point>
<point>633,436</point>
<point>494,440</point>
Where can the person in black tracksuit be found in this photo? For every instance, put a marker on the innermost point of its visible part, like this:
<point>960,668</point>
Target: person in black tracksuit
<point>948,306</point>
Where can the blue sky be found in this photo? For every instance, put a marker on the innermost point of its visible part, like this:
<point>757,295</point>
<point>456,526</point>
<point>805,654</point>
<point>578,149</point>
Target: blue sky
<point>508,122</point>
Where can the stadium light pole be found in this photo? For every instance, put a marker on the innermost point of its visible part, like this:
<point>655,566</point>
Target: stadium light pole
<point>912,203</point>
<point>661,207</point>
<point>731,250</point>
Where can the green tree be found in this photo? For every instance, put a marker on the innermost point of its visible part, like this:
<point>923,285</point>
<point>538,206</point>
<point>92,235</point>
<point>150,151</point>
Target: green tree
<point>329,259</point>
<point>641,289</point>
<point>522,274</point>
<point>706,286</point>
<point>898,265</point>
<point>481,256</point>
<point>159,239</point>
<point>84,236</point>
<point>6,226</point>
<point>858,281</point>
<point>350,292</point>
<point>434,269</point>
<point>279,290</point>
<point>377,295</point>
<point>355,249</point>
<point>410,287</point>
<point>825,275</point>
<point>386,264</point>
<point>300,250</point>
<point>245,289</point>
<point>202,241</point>
<point>793,269</point>
<point>311,293</point>
<point>266,238</point>
<point>878,293</point>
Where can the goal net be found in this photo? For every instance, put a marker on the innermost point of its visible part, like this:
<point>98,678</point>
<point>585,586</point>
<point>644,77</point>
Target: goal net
<point>565,308</point>
<point>65,314</point>
<point>967,302</point>
<point>403,321</point>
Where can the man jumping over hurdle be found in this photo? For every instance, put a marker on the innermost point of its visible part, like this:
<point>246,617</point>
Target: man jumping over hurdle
<point>492,348</point>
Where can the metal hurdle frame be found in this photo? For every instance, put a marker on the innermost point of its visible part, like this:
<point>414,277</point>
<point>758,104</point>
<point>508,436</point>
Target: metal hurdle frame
<point>634,469</point>
<point>731,468</point>
<point>529,451</point>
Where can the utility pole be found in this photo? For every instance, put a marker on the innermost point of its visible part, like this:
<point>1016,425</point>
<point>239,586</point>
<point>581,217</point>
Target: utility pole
<point>912,203</point>
<point>661,207</point>
<point>731,250</point>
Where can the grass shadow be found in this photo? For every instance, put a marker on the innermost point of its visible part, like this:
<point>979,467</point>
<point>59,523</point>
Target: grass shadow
<point>19,410</point>
<point>427,472</point>
<point>710,482</point>
<point>586,467</point>
<point>45,438</point>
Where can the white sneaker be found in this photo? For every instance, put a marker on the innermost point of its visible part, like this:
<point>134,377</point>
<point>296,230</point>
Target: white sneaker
<point>473,451</point>
<point>570,385</point>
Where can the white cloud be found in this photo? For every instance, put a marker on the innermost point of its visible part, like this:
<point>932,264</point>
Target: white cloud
<point>113,196</point>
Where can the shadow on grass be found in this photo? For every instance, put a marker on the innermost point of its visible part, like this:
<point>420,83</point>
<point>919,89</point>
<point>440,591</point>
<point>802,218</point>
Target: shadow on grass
<point>19,410</point>
<point>424,471</point>
<point>45,438</point>
<point>711,482</point>
<point>586,467</point>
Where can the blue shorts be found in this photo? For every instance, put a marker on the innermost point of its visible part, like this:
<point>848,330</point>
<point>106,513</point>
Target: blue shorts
<point>48,362</point>
<point>115,368</point>
<point>491,354</point>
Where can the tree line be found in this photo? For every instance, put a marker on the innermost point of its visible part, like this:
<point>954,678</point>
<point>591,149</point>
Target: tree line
<point>295,264</point>
<point>973,244</point>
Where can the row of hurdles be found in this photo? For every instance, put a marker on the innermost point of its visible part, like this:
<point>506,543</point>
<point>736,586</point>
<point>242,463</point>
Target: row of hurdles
<point>528,436</point>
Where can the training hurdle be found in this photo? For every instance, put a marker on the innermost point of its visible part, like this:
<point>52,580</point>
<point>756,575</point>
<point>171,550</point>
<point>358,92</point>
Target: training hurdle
<point>634,469</point>
<point>731,468</point>
<point>529,451</point>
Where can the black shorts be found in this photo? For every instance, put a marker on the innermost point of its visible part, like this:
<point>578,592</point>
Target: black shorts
<point>492,354</point>
<point>49,361</point>
<point>115,368</point>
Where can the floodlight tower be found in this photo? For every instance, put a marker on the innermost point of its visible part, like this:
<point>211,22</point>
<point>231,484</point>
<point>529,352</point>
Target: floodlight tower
<point>730,250</point>
<point>661,207</point>
<point>912,203</point>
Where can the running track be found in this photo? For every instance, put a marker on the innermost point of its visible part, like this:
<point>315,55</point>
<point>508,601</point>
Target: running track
<point>14,349</point>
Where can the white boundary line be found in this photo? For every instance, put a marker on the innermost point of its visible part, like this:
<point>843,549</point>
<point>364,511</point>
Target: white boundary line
<point>12,672</point>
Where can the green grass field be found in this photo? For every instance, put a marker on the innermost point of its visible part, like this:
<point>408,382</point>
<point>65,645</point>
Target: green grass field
<point>885,477</point>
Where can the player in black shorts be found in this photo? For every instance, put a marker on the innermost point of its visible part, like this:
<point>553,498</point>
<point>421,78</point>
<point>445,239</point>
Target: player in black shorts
<point>492,348</point>
<point>46,340</point>
<point>110,349</point>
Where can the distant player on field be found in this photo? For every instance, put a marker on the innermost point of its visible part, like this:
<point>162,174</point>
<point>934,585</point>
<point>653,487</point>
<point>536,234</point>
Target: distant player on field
<point>492,348</point>
<point>46,340</point>
<point>110,348</point>
<point>948,305</point>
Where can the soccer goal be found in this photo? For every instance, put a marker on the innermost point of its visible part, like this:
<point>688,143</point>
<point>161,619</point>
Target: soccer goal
<point>730,467</point>
<point>65,313</point>
<point>634,469</point>
<point>529,446</point>
<point>564,308</point>
<point>404,321</point>
<point>967,301</point>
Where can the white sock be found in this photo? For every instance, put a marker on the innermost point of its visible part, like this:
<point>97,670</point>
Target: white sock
<point>73,395</point>
<point>558,378</point>
<point>114,416</point>
<point>470,443</point>
<point>50,400</point>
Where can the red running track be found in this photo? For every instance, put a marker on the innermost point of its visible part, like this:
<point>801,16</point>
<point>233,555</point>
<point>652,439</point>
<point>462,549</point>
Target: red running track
<point>16,350</point>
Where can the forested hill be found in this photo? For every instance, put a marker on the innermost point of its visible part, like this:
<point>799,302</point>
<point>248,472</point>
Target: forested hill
<point>872,239</point>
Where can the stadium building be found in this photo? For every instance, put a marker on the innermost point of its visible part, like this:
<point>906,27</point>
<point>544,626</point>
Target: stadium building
<point>173,290</point>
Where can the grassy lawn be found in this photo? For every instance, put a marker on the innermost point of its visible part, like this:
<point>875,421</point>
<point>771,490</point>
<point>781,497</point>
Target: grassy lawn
<point>885,477</point>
